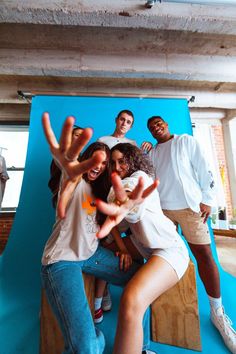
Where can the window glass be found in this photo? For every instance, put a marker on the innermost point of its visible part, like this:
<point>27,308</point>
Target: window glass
<point>12,191</point>
<point>13,147</point>
<point>203,133</point>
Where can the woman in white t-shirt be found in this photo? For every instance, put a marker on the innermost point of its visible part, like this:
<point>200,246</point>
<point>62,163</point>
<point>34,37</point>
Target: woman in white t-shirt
<point>73,246</point>
<point>153,234</point>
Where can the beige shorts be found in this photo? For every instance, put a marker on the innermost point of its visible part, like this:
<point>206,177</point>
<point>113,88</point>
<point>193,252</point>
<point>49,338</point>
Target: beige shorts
<point>191,223</point>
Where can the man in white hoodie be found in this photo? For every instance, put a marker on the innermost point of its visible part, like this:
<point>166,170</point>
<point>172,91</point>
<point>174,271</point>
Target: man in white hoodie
<point>186,192</point>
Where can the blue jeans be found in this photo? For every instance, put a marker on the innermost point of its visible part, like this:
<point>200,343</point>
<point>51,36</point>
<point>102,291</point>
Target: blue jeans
<point>64,286</point>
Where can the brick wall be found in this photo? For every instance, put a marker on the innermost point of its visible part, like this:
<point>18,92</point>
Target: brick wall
<point>220,152</point>
<point>6,221</point>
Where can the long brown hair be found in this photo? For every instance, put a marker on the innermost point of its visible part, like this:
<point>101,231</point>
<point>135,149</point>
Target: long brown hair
<point>100,186</point>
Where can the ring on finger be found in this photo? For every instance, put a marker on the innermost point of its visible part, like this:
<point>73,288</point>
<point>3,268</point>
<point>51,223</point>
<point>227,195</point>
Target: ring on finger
<point>120,202</point>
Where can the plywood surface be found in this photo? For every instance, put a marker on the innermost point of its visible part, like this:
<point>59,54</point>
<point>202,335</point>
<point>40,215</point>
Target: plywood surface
<point>175,317</point>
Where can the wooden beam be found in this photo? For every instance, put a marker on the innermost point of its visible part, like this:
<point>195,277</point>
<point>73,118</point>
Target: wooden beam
<point>226,233</point>
<point>175,316</point>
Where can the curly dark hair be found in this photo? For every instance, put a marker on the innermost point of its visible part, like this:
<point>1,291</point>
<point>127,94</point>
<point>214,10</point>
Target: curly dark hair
<point>135,158</point>
<point>100,186</point>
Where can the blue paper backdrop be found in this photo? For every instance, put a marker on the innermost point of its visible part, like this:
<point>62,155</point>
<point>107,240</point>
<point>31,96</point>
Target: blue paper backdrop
<point>20,263</point>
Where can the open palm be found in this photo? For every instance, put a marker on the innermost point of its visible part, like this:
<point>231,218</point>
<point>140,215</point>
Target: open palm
<point>66,153</point>
<point>123,204</point>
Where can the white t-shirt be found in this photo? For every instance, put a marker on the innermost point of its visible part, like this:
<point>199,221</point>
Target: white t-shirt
<point>112,141</point>
<point>151,229</point>
<point>170,188</point>
<point>74,238</point>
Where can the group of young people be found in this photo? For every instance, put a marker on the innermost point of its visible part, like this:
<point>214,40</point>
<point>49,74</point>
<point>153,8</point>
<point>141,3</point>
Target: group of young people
<point>113,182</point>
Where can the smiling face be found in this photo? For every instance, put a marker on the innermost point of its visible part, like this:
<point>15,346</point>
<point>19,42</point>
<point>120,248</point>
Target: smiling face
<point>96,171</point>
<point>159,130</point>
<point>124,123</point>
<point>76,133</point>
<point>119,164</point>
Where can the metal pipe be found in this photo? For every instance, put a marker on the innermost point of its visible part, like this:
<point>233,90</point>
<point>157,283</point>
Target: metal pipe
<point>149,4</point>
<point>203,2</point>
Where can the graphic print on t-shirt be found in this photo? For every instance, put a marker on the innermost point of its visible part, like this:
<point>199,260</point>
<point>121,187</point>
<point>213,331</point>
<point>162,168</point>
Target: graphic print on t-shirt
<point>90,208</point>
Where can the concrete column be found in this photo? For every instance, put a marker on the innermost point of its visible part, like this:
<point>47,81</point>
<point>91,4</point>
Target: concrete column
<point>229,158</point>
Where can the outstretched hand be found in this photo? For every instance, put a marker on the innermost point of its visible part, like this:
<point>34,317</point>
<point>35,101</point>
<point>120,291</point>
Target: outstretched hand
<point>146,146</point>
<point>66,153</point>
<point>123,203</point>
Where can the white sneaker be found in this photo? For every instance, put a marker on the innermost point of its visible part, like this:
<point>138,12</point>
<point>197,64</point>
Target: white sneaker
<point>106,301</point>
<point>224,325</point>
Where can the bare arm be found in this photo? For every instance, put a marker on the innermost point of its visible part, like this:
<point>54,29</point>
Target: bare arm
<point>118,240</point>
<point>123,253</point>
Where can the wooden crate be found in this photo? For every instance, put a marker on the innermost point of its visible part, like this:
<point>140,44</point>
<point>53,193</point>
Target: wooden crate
<point>51,340</point>
<point>175,316</point>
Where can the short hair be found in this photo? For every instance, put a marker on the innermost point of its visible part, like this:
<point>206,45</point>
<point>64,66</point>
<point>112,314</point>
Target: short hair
<point>127,111</point>
<point>152,118</point>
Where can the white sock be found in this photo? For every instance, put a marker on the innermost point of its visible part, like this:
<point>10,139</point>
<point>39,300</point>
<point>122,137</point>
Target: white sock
<point>215,303</point>
<point>97,303</point>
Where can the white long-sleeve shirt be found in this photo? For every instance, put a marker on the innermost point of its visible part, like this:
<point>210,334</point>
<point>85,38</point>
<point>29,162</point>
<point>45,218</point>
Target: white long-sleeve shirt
<point>190,168</point>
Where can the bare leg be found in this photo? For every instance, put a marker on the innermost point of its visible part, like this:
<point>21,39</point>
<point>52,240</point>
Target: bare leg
<point>207,268</point>
<point>100,286</point>
<point>153,279</point>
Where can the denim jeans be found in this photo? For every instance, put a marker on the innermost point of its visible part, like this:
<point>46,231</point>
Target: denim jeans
<point>64,286</point>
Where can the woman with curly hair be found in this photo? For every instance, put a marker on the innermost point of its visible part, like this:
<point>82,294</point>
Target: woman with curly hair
<point>153,234</point>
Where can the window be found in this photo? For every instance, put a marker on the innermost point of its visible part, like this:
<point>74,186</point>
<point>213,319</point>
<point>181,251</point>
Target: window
<point>232,125</point>
<point>203,133</point>
<point>13,147</point>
